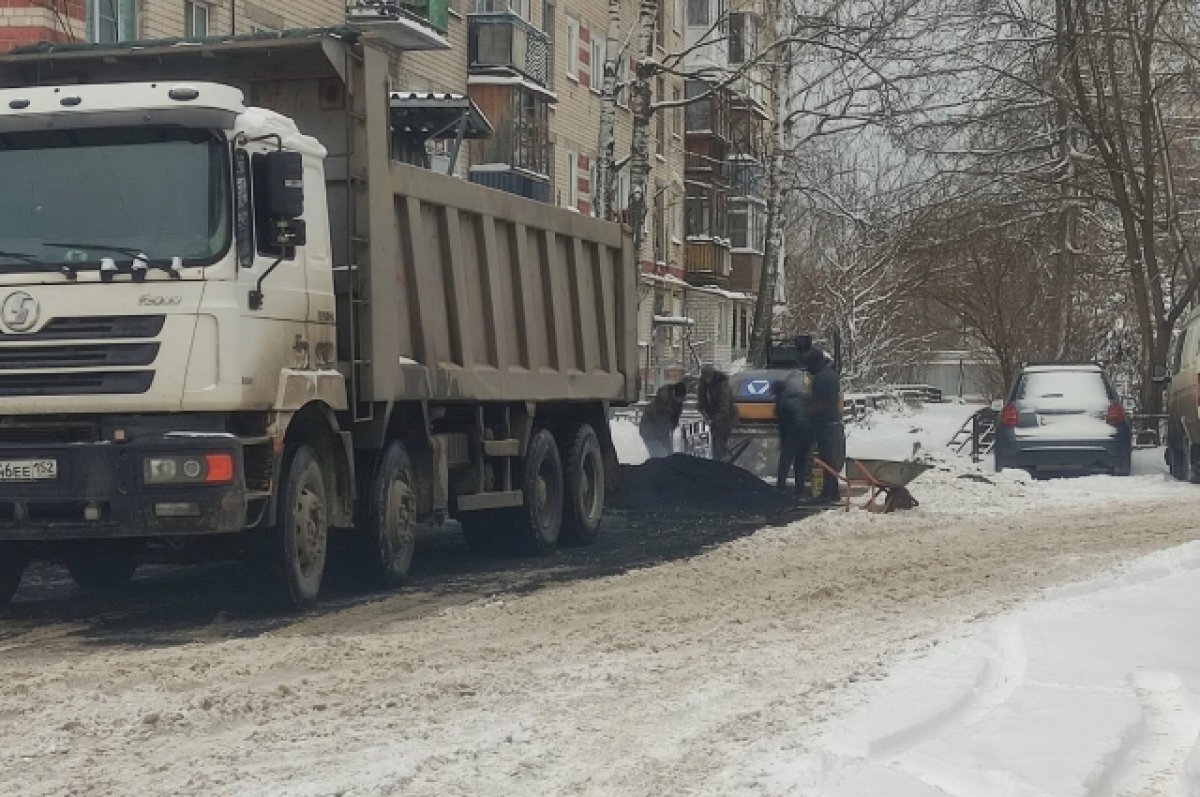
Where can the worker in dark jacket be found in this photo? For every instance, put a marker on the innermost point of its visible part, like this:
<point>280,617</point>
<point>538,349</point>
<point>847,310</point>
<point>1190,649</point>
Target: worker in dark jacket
<point>715,397</point>
<point>661,417</point>
<point>825,413</point>
<point>792,398</point>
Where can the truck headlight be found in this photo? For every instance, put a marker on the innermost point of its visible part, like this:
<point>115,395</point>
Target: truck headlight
<point>188,469</point>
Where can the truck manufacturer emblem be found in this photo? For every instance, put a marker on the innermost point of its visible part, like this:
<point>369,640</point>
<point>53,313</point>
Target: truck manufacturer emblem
<point>758,387</point>
<point>19,311</point>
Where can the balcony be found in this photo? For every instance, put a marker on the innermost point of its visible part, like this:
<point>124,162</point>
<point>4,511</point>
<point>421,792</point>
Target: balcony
<point>513,181</point>
<point>405,24</point>
<point>505,41</point>
<point>706,262</point>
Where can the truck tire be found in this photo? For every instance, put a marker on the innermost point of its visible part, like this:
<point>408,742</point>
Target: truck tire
<point>388,519</point>
<point>541,518</point>
<point>299,541</point>
<point>583,475</point>
<point>13,559</point>
<point>101,573</point>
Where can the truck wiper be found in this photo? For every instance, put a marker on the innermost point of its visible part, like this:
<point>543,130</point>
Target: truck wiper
<point>67,270</point>
<point>137,269</point>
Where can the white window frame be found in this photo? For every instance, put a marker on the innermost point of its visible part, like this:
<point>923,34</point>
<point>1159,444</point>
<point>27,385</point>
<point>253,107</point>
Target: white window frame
<point>121,13</point>
<point>572,40</point>
<point>623,81</point>
<point>599,50</point>
<point>191,9</point>
<point>571,195</point>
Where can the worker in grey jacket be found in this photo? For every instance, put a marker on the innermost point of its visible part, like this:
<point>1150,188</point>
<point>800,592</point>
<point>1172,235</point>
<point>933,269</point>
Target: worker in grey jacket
<point>661,417</point>
<point>715,399</point>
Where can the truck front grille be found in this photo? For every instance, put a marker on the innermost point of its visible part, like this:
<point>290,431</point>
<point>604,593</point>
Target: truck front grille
<point>95,326</point>
<point>21,358</point>
<point>75,384</point>
<point>101,344</point>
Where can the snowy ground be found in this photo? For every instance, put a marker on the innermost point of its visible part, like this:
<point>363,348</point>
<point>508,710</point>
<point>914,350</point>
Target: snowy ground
<point>1007,637</point>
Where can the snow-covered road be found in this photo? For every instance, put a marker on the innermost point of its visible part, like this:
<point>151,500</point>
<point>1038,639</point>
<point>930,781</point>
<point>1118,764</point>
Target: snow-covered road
<point>764,666</point>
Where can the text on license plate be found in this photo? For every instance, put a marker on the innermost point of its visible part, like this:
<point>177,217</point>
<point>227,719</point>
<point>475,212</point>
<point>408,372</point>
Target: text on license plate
<point>28,470</point>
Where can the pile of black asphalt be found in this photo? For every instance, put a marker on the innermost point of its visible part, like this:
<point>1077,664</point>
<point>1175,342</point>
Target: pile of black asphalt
<point>683,483</point>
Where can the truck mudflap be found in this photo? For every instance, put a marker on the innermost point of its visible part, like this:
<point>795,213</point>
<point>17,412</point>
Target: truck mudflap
<point>163,485</point>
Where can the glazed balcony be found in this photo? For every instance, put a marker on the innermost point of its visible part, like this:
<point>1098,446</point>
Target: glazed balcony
<point>505,41</point>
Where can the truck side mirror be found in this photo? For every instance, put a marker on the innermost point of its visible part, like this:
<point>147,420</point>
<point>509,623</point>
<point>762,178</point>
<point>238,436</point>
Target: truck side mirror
<point>1158,374</point>
<point>284,183</point>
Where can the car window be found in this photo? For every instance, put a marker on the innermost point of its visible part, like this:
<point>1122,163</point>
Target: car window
<point>1076,389</point>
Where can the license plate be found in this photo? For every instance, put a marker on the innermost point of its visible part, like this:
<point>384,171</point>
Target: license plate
<point>28,470</point>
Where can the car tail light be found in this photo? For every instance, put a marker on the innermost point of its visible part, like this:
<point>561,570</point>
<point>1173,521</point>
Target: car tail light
<point>1116,414</point>
<point>1009,415</point>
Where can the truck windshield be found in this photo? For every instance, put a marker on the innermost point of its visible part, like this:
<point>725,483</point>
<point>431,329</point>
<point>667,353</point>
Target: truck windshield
<point>72,197</point>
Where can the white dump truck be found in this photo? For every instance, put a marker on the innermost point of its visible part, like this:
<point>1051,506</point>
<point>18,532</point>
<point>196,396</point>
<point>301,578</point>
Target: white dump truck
<point>230,321</point>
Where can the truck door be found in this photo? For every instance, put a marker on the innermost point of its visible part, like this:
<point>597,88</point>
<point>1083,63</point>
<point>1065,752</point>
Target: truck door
<point>277,328</point>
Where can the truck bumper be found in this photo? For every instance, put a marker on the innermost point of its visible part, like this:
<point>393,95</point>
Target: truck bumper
<point>100,491</point>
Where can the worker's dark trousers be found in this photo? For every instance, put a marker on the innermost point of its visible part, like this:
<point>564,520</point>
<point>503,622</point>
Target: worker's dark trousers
<point>831,448</point>
<point>720,443</point>
<point>795,448</point>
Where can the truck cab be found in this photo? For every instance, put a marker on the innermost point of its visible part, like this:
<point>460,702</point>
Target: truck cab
<point>166,301</point>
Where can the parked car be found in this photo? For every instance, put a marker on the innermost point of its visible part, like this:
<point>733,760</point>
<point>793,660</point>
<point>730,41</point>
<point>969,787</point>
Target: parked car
<point>1183,402</point>
<point>1062,419</point>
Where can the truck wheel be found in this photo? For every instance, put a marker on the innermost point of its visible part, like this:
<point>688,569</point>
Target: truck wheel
<point>13,559</point>
<point>101,573</point>
<point>583,473</point>
<point>541,518</point>
<point>388,513</point>
<point>299,540</point>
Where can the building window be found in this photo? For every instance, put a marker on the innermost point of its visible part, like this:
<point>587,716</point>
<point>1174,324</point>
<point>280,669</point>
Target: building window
<point>518,7</point>
<point>662,227</point>
<point>195,20</point>
<point>676,112</point>
<point>660,25</point>
<point>699,107</point>
<point>660,118</point>
<point>747,226</point>
<point>571,195</point>
<point>697,12</point>
<point>599,46</point>
<point>572,60</point>
<point>110,20</point>
<point>704,212</point>
<point>623,82</point>
<point>531,130</point>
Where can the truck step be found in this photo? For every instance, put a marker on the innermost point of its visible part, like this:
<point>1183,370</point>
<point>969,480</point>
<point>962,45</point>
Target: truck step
<point>471,503</point>
<point>502,448</point>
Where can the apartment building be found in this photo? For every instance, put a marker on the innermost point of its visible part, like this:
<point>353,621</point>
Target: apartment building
<point>514,103</point>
